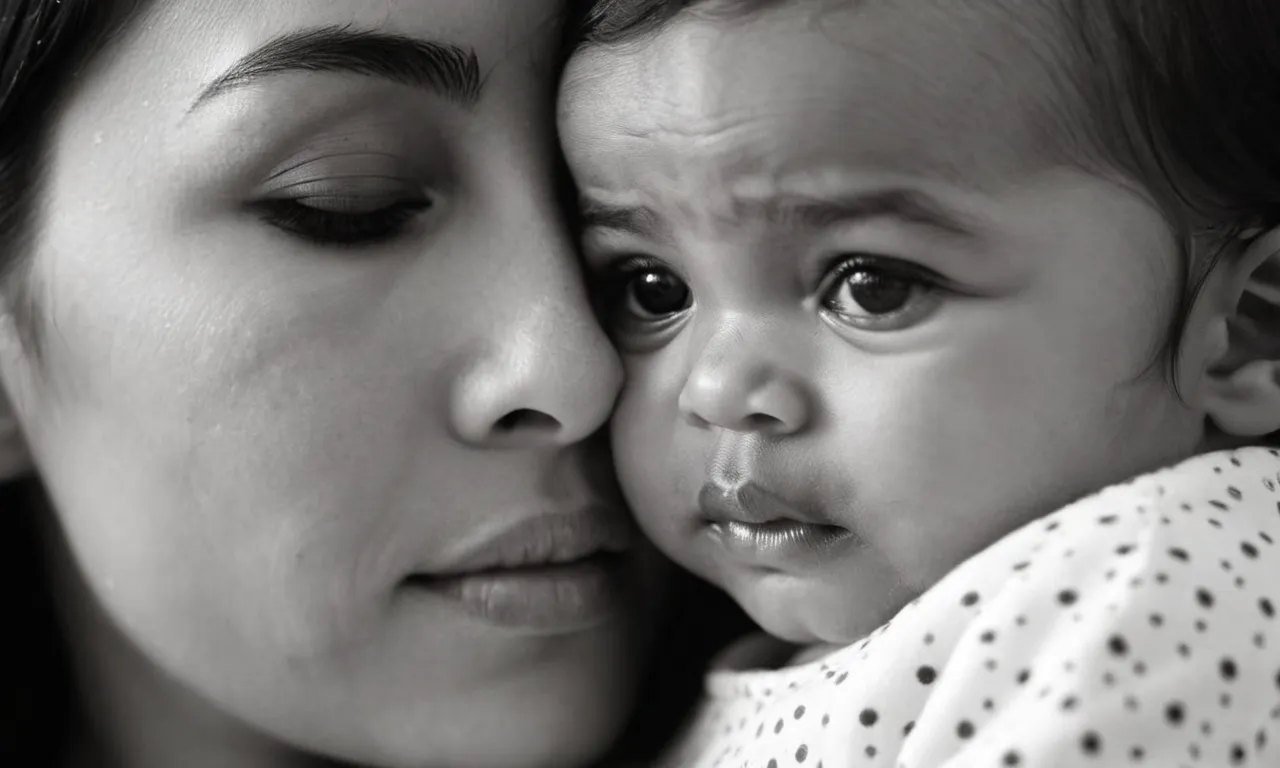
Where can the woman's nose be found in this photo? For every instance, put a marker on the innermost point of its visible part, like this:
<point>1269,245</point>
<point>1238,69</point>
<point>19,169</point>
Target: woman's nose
<point>739,389</point>
<point>545,374</point>
<point>551,381</point>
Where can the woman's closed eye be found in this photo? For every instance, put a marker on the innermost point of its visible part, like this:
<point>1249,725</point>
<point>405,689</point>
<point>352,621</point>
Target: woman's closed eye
<point>333,201</point>
<point>877,293</point>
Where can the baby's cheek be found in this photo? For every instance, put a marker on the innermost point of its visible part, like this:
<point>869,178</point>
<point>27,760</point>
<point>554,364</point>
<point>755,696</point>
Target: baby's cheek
<point>653,467</point>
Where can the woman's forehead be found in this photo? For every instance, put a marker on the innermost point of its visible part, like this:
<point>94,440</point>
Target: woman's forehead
<point>181,46</point>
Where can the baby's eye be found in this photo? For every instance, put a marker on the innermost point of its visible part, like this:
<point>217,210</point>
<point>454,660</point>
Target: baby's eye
<point>879,294</point>
<point>654,293</point>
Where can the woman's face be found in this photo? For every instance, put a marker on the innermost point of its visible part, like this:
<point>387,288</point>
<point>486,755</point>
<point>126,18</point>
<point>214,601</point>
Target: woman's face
<point>312,345</point>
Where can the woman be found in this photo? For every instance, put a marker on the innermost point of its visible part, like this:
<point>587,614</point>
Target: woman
<point>293,337</point>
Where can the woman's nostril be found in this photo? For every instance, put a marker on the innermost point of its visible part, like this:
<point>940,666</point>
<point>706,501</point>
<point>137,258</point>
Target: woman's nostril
<point>527,419</point>
<point>763,422</point>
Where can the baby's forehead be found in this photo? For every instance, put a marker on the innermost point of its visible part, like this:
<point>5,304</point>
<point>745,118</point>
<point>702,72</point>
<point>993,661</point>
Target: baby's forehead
<point>963,89</point>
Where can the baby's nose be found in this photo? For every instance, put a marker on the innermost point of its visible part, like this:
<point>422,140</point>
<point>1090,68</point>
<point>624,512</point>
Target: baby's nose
<point>740,391</point>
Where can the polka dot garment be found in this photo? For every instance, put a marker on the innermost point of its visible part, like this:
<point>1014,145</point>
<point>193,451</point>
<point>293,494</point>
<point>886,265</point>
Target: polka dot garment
<point>1135,627</point>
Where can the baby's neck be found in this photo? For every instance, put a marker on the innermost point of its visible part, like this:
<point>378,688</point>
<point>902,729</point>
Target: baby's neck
<point>759,651</point>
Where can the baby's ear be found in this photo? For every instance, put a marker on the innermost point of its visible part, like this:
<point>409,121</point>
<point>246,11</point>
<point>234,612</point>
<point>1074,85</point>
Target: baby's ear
<point>1241,393</point>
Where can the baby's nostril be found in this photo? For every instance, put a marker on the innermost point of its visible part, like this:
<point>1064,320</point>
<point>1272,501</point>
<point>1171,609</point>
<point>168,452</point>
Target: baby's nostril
<point>527,419</point>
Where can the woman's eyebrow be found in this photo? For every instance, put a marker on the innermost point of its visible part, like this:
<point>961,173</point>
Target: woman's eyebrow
<point>442,68</point>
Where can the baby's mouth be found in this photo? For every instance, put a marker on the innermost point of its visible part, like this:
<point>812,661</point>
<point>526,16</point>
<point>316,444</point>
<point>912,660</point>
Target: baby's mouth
<point>761,528</point>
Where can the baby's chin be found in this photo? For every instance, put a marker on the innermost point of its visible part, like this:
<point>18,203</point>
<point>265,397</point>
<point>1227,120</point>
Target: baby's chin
<point>809,612</point>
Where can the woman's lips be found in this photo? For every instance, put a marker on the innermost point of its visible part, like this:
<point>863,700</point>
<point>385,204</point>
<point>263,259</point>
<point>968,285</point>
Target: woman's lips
<point>759,528</point>
<point>545,574</point>
<point>555,598</point>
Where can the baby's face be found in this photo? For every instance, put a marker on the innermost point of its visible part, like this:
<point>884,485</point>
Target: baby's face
<point>870,321</point>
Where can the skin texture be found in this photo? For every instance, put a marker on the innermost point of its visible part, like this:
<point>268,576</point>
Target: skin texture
<point>1021,371</point>
<point>252,439</point>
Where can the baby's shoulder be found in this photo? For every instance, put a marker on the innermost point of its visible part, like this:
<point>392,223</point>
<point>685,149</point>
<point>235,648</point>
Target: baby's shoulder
<point>1114,620</point>
<point>1215,512</point>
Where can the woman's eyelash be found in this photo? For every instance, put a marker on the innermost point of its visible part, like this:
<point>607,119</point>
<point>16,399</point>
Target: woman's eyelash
<point>326,227</point>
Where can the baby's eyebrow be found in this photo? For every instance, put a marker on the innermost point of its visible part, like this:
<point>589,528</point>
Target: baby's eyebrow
<point>807,210</point>
<point>633,219</point>
<point>907,205</point>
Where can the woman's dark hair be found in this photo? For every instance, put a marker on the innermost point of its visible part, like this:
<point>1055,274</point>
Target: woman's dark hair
<point>44,46</point>
<point>1182,96</point>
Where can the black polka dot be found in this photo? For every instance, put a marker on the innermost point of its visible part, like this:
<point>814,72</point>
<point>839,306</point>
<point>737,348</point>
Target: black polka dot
<point>1175,714</point>
<point>1068,597</point>
<point>1204,597</point>
<point>1118,645</point>
<point>1091,743</point>
<point>988,704</point>
<point>906,729</point>
<point>1162,578</point>
<point>1249,550</point>
<point>1070,703</point>
<point>826,719</point>
<point>1023,676</point>
<point>1022,566</point>
<point>1178,553</point>
<point>773,764</point>
<point>1124,549</point>
<point>926,675</point>
<point>1137,754</point>
<point>1218,505</point>
<point>868,717</point>
<point>1237,754</point>
<point>988,636</point>
<point>778,728</point>
<point>928,639</point>
<point>1234,492</point>
<point>843,676</point>
<point>1184,650</point>
<point>1011,758</point>
<point>1156,620</point>
<point>802,753</point>
<point>870,751</point>
<point>1107,520</point>
<point>969,599</point>
<point>1139,669</point>
<point>964,729</point>
<point>1227,668</point>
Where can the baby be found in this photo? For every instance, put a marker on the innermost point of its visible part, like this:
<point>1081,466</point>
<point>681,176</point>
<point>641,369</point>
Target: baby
<point>951,333</point>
